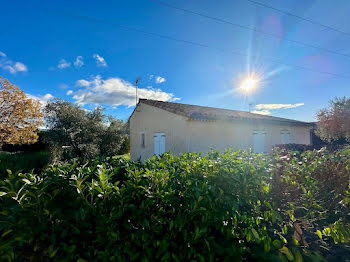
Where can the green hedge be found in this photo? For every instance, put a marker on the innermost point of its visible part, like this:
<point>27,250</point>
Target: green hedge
<point>236,206</point>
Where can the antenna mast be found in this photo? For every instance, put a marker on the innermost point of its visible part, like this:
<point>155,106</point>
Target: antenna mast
<point>250,106</point>
<point>137,83</point>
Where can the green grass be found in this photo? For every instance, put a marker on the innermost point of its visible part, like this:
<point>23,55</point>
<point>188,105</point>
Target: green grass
<point>24,161</point>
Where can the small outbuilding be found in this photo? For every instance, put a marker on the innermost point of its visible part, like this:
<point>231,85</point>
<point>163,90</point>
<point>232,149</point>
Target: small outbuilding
<point>157,127</point>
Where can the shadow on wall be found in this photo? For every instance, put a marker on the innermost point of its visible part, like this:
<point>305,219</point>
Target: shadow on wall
<point>317,144</point>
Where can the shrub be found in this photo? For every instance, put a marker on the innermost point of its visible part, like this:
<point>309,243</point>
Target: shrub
<point>333,147</point>
<point>220,207</point>
<point>295,147</point>
<point>22,161</point>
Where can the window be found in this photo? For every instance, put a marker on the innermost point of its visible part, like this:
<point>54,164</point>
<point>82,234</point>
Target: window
<point>159,143</point>
<point>143,142</point>
<point>285,137</point>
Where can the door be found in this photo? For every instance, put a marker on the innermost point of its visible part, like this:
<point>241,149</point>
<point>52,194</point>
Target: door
<point>159,143</point>
<point>259,141</point>
<point>285,137</point>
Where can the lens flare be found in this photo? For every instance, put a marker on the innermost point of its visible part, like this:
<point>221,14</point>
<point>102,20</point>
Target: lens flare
<point>249,84</point>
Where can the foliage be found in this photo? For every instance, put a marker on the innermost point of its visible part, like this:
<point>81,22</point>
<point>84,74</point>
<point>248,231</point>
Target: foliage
<point>114,139</point>
<point>125,147</point>
<point>221,207</point>
<point>20,116</point>
<point>83,134</point>
<point>296,147</point>
<point>334,122</point>
<point>125,156</point>
<point>23,161</point>
<point>313,188</point>
<point>39,145</point>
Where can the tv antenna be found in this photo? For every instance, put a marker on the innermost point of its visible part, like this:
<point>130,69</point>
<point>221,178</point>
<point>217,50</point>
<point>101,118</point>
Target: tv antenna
<point>250,106</point>
<point>137,83</point>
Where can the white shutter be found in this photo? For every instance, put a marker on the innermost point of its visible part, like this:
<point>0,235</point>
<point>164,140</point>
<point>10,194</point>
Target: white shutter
<point>259,141</point>
<point>162,144</point>
<point>285,137</point>
<point>156,144</point>
<point>159,143</point>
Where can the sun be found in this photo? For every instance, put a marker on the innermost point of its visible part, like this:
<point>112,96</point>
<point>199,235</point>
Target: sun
<point>249,84</point>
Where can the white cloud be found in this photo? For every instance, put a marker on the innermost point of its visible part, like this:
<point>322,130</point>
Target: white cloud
<point>9,65</point>
<point>16,67</point>
<point>79,61</point>
<point>114,92</point>
<point>100,61</point>
<point>63,86</point>
<point>277,106</point>
<point>42,99</point>
<point>63,64</point>
<point>20,67</point>
<point>82,82</point>
<point>262,112</point>
<point>265,109</point>
<point>69,92</point>
<point>160,79</point>
<point>47,97</point>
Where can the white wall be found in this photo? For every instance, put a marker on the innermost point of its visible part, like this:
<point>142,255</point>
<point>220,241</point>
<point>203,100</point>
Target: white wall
<point>183,135</point>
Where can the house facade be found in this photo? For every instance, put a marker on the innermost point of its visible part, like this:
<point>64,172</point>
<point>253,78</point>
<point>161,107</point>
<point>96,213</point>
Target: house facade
<point>157,127</point>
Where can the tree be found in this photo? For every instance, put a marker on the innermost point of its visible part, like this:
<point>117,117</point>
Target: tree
<point>84,134</point>
<point>334,122</point>
<point>20,117</point>
<point>113,138</point>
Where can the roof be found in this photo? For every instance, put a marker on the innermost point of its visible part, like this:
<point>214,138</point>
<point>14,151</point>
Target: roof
<point>204,113</point>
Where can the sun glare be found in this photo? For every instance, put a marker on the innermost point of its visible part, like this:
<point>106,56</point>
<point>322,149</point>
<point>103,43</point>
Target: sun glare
<point>249,84</point>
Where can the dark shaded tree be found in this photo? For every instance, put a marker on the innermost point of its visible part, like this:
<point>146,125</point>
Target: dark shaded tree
<point>113,137</point>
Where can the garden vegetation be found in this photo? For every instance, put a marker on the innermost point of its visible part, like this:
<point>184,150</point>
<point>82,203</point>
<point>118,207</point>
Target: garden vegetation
<point>234,206</point>
<point>20,116</point>
<point>77,133</point>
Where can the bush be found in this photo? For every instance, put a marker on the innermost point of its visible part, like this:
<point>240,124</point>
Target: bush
<point>23,161</point>
<point>332,147</point>
<point>296,147</point>
<point>220,207</point>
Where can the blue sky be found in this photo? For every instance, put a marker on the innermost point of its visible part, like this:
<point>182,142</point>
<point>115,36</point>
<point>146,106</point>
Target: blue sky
<point>50,54</point>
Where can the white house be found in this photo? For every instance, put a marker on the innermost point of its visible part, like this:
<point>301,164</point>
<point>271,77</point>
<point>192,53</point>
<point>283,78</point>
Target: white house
<point>157,127</point>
